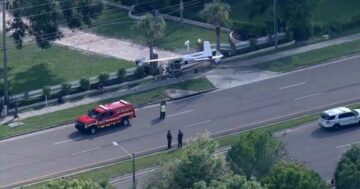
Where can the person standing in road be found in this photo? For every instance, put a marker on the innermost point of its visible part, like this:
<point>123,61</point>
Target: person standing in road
<point>169,138</point>
<point>180,138</point>
<point>162,110</point>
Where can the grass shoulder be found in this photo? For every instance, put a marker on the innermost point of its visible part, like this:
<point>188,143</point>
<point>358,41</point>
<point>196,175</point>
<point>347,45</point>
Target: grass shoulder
<point>310,58</point>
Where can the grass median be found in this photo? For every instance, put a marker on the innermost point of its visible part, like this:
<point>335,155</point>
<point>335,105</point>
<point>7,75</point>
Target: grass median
<point>311,58</point>
<point>55,118</point>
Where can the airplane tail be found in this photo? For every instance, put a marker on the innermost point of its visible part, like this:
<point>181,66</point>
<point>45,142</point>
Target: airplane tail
<point>213,54</point>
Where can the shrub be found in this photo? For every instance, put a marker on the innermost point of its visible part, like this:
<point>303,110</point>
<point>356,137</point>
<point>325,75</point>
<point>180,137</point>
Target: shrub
<point>121,75</point>
<point>139,72</point>
<point>65,89</point>
<point>85,84</point>
<point>103,78</point>
<point>253,43</point>
<point>46,91</point>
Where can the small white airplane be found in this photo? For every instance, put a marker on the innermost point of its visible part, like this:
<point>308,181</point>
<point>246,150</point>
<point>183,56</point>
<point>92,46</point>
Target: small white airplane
<point>190,59</point>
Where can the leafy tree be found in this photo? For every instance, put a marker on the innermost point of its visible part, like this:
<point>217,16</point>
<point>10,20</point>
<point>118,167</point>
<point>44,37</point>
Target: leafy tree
<point>152,27</point>
<point>292,15</point>
<point>195,164</point>
<point>347,172</point>
<point>73,184</point>
<point>232,182</point>
<point>216,13</point>
<point>255,154</point>
<point>293,176</point>
<point>40,19</point>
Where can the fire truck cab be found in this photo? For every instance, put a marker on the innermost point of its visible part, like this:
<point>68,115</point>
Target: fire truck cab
<point>102,116</point>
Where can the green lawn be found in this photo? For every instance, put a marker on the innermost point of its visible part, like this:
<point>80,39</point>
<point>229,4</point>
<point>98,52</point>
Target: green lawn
<point>336,10</point>
<point>51,119</point>
<point>327,11</point>
<point>32,68</point>
<point>310,58</point>
<point>116,24</point>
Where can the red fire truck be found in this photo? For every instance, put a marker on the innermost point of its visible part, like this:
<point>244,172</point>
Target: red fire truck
<point>115,113</point>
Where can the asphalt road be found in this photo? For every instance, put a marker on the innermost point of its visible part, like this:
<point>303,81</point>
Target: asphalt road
<point>43,154</point>
<point>321,149</point>
<point>316,148</point>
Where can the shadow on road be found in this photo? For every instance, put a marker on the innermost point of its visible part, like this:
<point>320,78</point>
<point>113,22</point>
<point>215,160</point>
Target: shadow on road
<point>101,132</point>
<point>323,133</point>
<point>155,121</point>
<point>186,101</point>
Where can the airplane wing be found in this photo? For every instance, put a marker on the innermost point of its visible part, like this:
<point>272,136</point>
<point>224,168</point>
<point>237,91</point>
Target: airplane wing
<point>162,59</point>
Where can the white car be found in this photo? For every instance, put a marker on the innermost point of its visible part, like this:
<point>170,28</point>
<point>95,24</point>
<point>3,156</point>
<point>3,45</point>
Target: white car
<point>338,117</point>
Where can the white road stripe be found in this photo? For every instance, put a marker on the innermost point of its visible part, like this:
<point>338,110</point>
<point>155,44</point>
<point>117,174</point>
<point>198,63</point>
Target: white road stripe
<point>86,151</point>
<point>56,143</point>
<point>290,86</point>
<point>299,98</point>
<point>180,113</point>
<point>347,145</point>
<point>194,124</point>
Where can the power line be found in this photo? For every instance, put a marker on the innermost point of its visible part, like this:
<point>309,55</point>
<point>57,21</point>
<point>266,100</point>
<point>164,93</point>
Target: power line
<point>39,5</point>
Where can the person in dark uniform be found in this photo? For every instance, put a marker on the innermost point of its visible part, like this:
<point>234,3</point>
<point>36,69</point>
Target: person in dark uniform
<point>169,138</point>
<point>180,138</point>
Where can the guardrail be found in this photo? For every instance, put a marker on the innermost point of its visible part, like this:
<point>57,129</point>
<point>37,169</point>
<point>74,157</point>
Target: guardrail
<point>84,94</point>
<point>57,88</point>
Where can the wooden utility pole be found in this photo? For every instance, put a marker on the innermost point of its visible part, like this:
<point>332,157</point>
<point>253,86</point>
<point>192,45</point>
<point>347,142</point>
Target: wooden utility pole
<point>275,26</point>
<point>182,11</point>
<point>6,92</point>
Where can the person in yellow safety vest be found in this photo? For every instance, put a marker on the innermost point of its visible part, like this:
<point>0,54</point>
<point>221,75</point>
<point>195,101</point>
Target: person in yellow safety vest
<point>162,110</point>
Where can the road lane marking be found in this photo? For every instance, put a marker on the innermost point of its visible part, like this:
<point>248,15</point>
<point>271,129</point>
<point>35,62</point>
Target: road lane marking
<point>61,142</point>
<point>307,96</point>
<point>194,124</point>
<point>290,86</point>
<point>347,145</point>
<point>86,151</point>
<point>180,113</point>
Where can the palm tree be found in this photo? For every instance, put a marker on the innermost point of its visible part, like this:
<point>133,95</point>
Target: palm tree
<point>217,14</point>
<point>152,27</point>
